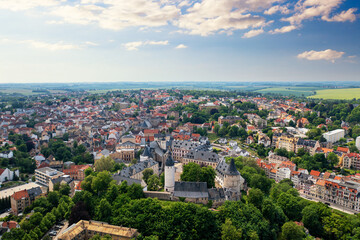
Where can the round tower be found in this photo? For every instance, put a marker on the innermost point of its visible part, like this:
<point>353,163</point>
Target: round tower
<point>169,173</point>
<point>232,178</point>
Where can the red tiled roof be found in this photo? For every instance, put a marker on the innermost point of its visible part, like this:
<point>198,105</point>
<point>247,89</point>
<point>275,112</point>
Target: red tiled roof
<point>315,173</point>
<point>20,194</point>
<point>343,149</point>
<point>9,224</point>
<point>1,170</point>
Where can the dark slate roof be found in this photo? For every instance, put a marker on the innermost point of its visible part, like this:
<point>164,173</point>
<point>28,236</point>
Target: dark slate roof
<point>188,145</point>
<point>36,191</point>
<point>169,161</point>
<point>203,155</point>
<point>308,143</point>
<point>191,189</point>
<point>119,179</point>
<point>139,167</point>
<point>231,169</point>
<point>147,152</point>
<point>154,146</point>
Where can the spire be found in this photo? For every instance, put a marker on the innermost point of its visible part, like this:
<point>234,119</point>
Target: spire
<point>169,161</point>
<point>231,169</point>
<point>147,152</point>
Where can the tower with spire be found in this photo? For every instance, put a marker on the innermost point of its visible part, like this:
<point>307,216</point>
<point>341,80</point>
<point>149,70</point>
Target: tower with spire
<point>232,177</point>
<point>169,173</point>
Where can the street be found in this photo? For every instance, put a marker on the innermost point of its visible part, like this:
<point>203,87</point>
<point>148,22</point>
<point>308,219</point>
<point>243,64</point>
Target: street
<point>332,205</point>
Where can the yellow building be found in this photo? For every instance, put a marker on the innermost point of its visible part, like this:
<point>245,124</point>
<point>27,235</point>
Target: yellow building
<point>84,230</point>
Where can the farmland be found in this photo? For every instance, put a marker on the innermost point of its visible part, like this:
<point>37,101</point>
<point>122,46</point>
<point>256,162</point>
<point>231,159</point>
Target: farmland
<point>290,91</point>
<point>345,93</point>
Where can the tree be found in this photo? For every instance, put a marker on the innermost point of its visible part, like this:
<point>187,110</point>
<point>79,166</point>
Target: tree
<point>104,164</point>
<point>273,213</point>
<point>256,197</point>
<point>192,172</point>
<point>229,231</point>
<point>64,189</point>
<point>153,183</point>
<point>261,182</point>
<point>147,173</point>
<point>291,231</point>
<point>78,212</point>
<point>333,159</point>
<point>36,218</point>
<point>290,205</point>
<point>101,182</point>
<point>103,211</point>
<point>53,198</point>
<point>312,217</point>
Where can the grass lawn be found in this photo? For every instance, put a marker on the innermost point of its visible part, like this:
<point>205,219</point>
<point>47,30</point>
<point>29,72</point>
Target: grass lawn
<point>212,137</point>
<point>345,93</point>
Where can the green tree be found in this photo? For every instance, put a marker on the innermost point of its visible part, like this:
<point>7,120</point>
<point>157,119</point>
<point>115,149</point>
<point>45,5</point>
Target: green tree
<point>64,189</point>
<point>229,231</point>
<point>103,211</point>
<point>153,183</point>
<point>256,197</point>
<point>147,173</point>
<point>291,231</point>
<point>104,164</point>
<point>101,182</point>
<point>333,159</point>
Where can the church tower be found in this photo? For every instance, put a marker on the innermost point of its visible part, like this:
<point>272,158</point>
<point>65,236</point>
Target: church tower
<point>146,155</point>
<point>232,178</point>
<point>169,173</point>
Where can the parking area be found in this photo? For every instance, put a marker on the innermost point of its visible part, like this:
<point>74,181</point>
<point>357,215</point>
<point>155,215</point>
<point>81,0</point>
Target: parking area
<point>58,228</point>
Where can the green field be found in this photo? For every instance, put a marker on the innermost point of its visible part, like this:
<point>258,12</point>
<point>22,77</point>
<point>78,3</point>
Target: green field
<point>289,91</point>
<point>26,92</point>
<point>345,93</point>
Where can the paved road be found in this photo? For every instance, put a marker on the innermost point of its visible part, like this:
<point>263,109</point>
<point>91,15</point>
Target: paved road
<point>332,205</point>
<point>4,214</point>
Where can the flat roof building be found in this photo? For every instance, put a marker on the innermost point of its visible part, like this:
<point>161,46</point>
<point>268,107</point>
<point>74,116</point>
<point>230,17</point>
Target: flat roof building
<point>84,230</point>
<point>44,175</point>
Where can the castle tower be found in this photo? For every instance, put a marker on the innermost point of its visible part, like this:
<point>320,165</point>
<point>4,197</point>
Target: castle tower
<point>169,173</point>
<point>232,178</point>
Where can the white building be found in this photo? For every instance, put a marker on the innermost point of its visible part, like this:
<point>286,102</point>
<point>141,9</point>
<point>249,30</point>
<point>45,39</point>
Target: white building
<point>282,173</point>
<point>44,175</point>
<point>7,175</point>
<point>357,144</point>
<point>334,136</point>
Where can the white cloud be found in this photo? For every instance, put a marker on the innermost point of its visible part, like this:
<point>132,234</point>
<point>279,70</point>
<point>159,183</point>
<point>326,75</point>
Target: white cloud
<point>21,5</point>
<point>284,29</point>
<point>180,46</point>
<point>42,45</point>
<point>222,16</point>
<point>89,43</point>
<point>253,33</point>
<point>132,46</point>
<point>277,8</point>
<point>116,15</point>
<point>196,17</point>
<point>309,9</point>
<point>52,46</point>
<point>343,16</point>
<point>328,54</point>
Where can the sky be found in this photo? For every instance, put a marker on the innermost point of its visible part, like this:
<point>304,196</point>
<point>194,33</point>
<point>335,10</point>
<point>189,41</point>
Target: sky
<point>179,40</point>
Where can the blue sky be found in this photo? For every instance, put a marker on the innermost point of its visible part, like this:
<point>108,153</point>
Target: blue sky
<point>179,40</point>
